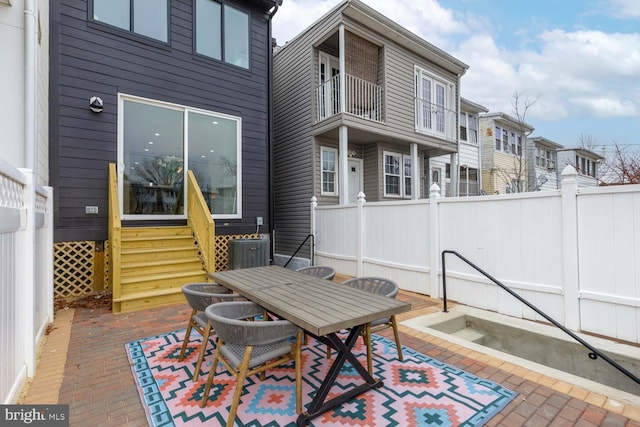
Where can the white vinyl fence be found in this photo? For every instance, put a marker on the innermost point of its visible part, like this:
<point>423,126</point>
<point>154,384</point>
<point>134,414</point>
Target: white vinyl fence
<point>26,275</point>
<point>574,253</point>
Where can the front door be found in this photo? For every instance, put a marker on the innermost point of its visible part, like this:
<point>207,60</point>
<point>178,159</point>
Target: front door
<point>355,179</point>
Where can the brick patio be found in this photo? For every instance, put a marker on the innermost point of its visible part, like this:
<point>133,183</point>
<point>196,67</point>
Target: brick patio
<point>83,363</point>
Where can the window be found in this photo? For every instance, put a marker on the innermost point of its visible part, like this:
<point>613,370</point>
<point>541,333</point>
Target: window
<point>473,130</point>
<point>498,138</point>
<point>397,175</point>
<point>149,18</point>
<point>468,181</point>
<point>505,140</point>
<point>514,143</point>
<point>392,172</point>
<point>585,166</point>
<point>432,104</point>
<point>329,168</point>
<point>222,32</point>
<point>463,126</point>
<point>407,175</point>
<point>160,142</point>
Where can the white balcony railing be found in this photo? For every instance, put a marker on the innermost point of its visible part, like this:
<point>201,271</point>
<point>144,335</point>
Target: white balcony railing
<point>362,99</point>
<point>435,119</point>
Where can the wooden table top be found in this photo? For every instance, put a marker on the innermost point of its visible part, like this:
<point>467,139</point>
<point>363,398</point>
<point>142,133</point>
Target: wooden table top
<point>316,305</point>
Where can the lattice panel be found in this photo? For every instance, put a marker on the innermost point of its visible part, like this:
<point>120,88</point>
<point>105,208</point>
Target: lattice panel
<point>11,192</point>
<point>222,248</point>
<point>73,264</point>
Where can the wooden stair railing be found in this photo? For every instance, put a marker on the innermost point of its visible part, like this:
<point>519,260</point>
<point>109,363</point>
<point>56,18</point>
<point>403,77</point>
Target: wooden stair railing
<point>115,235</point>
<point>201,222</point>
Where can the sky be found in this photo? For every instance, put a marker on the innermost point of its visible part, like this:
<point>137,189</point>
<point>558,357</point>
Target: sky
<point>576,61</point>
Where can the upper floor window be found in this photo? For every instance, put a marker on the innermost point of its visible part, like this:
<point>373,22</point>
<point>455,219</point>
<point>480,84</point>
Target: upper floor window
<point>222,32</point>
<point>433,104</point>
<point>544,158</point>
<point>472,131</point>
<point>146,17</point>
<point>585,166</point>
<point>329,171</point>
<point>507,142</point>
<point>463,126</point>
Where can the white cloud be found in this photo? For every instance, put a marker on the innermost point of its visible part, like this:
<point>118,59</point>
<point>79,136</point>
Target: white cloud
<point>625,8</point>
<point>569,74</point>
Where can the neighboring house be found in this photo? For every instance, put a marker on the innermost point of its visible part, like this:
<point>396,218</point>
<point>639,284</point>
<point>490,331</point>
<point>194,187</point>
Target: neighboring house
<point>360,105</point>
<point>468,156</point>
<point>26,288</point>
<point>503,156</point>
<point>185,87</point>
<point>24,85</point>
<point>586,162</point>
<point>542,162</point>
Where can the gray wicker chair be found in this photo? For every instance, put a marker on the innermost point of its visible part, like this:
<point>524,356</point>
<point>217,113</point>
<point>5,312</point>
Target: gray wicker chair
<point>379,286</point>
<point>248,347</point>
<point>324,272</point>
<point>200,296</point>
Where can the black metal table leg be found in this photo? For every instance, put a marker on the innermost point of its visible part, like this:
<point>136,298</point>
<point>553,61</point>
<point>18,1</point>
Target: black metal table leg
<point>318,406</point>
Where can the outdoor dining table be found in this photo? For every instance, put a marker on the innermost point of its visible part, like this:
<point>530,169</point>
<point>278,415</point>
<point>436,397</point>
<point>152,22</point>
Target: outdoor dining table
<point>323,309</point>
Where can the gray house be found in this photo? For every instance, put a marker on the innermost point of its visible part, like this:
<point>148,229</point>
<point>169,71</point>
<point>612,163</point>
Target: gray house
<point>586,162</point>
<point>360,104</point>
<point>542,164</point>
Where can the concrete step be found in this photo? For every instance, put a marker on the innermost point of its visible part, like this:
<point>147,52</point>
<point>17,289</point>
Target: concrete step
<point>469,334</point>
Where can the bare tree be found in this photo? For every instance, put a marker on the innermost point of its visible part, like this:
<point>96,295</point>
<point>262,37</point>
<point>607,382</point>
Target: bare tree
<point>519,177</point>
<point>621,167</point>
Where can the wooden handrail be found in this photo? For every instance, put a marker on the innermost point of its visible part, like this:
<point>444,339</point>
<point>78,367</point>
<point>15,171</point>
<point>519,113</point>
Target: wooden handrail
<point>115,234</point>
<point>201,222</point>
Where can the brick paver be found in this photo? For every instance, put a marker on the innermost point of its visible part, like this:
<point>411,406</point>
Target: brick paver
<point>92,374</point>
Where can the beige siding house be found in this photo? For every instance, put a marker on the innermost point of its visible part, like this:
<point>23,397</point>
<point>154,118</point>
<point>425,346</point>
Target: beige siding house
<point>503,153</point>
<point>360,105</point>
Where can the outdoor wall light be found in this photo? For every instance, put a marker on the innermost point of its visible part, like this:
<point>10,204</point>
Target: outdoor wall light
<point>95,104</point>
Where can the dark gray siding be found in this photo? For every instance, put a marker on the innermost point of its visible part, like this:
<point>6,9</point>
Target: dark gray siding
<point>88,58</point>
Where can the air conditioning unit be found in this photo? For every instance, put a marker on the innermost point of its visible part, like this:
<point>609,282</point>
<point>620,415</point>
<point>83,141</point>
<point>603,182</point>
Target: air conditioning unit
<point>245,253</point>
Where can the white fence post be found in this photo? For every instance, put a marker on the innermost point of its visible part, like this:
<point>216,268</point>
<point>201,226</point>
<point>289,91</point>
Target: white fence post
<point>47,262</point>
<point>434,244</point>
<point>571,279</point>
<point>361,233</point>
<point>25,272</point>
<point>314,205</point>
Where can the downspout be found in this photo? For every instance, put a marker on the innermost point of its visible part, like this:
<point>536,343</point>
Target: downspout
<point>30,94</point>
<point>455,173</point>
<point>272,210</point>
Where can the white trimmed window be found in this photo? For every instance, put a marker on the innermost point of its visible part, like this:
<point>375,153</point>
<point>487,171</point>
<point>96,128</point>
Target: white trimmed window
<point>397,175</point>
<point>329,171</point>
<point>407,175</point>
<point>433,104</point>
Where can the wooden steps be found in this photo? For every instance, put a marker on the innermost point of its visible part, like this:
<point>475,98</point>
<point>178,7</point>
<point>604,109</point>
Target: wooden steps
<point>155,263</point>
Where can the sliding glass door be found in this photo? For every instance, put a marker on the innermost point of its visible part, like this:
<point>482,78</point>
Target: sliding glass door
<point>159,142</point>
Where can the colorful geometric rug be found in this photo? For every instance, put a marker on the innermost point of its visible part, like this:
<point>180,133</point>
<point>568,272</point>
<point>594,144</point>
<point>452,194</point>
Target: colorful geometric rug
<point>420,391</point>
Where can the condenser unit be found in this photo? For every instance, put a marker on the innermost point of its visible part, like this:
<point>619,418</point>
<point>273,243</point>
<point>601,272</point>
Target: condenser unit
<point>245,253</point>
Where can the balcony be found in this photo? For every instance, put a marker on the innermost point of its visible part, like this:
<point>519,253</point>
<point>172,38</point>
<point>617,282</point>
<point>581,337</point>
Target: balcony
<point>362,98</point>
<point>435,119</point>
